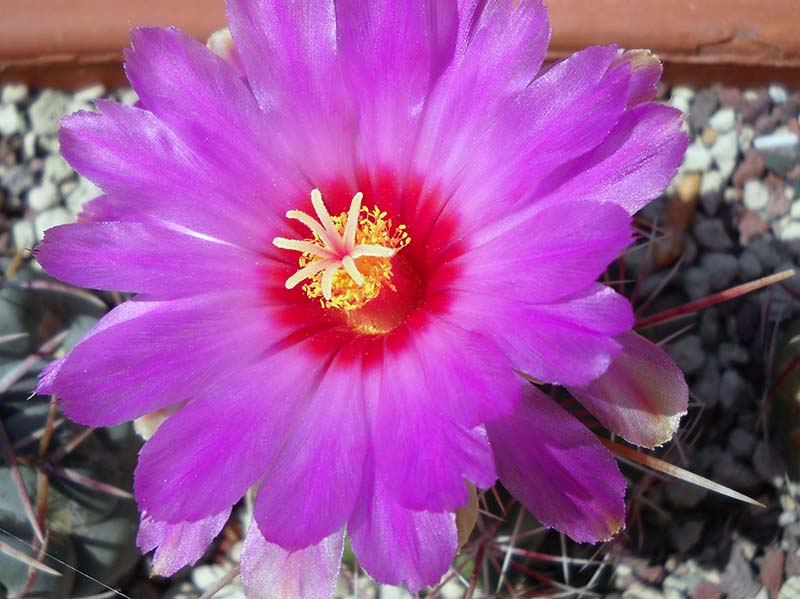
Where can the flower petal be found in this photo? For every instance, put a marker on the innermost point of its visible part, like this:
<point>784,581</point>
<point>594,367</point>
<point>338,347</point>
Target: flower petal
<point>204,101</point>
<point>546,255</point>
<point>630,168</point>
<point>524,138</point>
<point>391,54</point>
<point>423,544</point>
<point>48,376</point>
<point>417,407</point>
<point>569,340</point>
<point>155,259</point>
<point>145,355</point>
<point>308,492</point>
<point>178,545</point>
<point>104,209</point>
<point>558,469</point>
<point>289,51</point>
<point>646,70</point>
<point>130,154</point>
<point>271,572</point>
<point>501,45</point>
<point>220,42</point>
<point>207,455</point>
<point>641,397</point>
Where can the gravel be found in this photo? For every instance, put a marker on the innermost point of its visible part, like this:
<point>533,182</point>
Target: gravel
<point>11,121</point>
<point>756,194</point>
<point>43,196</point>
<point>710,233</point>
<point>46,110</point>
<point>722,269</point>
<point>698,158</point>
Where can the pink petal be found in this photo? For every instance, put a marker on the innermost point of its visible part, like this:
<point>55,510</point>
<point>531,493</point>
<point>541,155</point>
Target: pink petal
<point>646,69</point>
<point>221,43</point>
<point>146,355</point>
<point>156,259</point>
<point>48,376</point>
<point>426,445</point>
<point>470,386</point>
<point>630,168</point>
<point>561,343</point>
<point>289,51</point>
<point>308,492</point>
<point>396,50</point>
<point>178,545</point>
<point>271,572</point>
<point>546,255</point>
<point>641,397</point>
<point>423,544</point>
<point>501,45</point>
<point>205,102</point>
<point>133,156</point>
<point>558,469</point>
<point>530,134</point>
<point>207,455</point>
<point>105,209</point>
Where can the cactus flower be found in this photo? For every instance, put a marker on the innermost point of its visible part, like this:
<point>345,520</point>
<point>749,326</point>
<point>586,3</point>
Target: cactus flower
<point>353,231</point>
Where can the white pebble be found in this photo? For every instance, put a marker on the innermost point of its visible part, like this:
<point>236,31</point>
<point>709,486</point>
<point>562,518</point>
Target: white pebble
<point>697,157</point>
<point>746,136</point>
<point>723,120</point>
<point>774,141</point>
<point>791,232</point>
<point>725,150</point>
<point>683,91</point>
<point>51,218</point>
<point>777,94</point>
<point>10,120</point>
<point>23,234</point>
<point>756,195</point>
<point>711,183</point>
<point>43,196</point>
<point>14,93</point>
<point>29,145</point>
<point>87,94</point>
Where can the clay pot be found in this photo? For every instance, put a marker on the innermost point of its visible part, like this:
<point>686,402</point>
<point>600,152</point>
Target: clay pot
<point>71,42</point>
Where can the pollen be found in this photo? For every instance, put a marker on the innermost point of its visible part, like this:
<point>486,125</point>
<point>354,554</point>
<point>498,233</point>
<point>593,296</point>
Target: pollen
<point>347,260</point>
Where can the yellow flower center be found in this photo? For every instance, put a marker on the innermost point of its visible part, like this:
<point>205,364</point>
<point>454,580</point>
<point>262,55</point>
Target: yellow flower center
<point>348,259</point>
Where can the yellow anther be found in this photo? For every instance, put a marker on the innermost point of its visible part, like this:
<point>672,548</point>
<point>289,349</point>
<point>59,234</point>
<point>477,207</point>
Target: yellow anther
<point>348,260</point>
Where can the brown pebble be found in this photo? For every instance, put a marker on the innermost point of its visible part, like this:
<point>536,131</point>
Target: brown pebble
<point>751,225</point>
<point>681,208</point>
<point>777,204</point>
<point>756,107</point>
<point>732,97</point>
<point>771,575</point>
<point>794,126</point>
<point>706,590</point>
<point>751,167</point>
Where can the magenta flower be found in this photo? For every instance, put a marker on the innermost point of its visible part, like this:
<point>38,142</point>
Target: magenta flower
<point>349,240</point>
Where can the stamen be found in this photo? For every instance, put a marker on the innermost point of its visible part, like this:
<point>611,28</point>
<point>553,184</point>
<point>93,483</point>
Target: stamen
<point>302,246</point>
<point>309,222</point>
<point>327,282</point>
<point>329,259</point>
<point>376,251</point>
<point>324,216</point>
<point>307,272</point>
<point>352,220</point>
<point>350,266</point>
